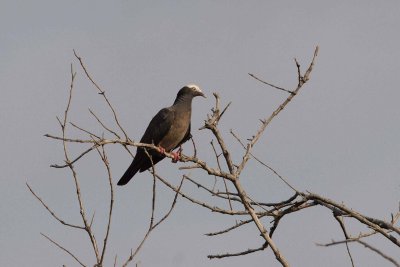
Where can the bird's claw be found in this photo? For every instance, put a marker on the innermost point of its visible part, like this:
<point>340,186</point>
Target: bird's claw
<point>162,150</point>
<point>176,156</point>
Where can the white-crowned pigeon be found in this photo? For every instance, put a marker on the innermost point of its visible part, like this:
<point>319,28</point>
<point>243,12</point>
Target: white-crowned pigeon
<point>169,129</point>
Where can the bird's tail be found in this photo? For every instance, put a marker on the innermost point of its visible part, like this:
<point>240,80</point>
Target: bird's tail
<point>129,173</point>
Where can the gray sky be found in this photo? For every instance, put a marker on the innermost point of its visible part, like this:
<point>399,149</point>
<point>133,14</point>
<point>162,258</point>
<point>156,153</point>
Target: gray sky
<point>339,137</point>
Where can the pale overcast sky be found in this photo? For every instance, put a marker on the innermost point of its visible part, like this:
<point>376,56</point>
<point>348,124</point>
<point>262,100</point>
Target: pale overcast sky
<point>338,138</point>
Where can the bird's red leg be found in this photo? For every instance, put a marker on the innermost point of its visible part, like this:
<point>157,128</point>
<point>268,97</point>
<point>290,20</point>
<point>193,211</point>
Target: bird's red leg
<point>177,155</point>
<point>162,150</point>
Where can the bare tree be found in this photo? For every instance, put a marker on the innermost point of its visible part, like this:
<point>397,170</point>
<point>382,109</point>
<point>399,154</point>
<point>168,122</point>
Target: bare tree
<point>240,203</point>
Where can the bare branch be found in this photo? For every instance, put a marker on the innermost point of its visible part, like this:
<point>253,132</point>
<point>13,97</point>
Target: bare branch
<point>153,201</point>
<point>103,125</point>
<point>362,219</point>
<point>194,147</point>
<point>173,203</point>
<point>75,160</point>
<point>101,92</point>
<point>255,212</point>
<point>84,130</point>
<point>211,124</point>
<point>358,240</point>
<point>104,159</point>
<point>267,83</point>
<point>268,120</point>
<point>220,256</point>
<point>380,253</point>
<point>261,228</point>
<point>74,175</point>
<point>339,219</point>
<point>264,164</point>
<point>152,226</point>
<point>52,212</point>
<point>197,202</point>
<point>64,249</point>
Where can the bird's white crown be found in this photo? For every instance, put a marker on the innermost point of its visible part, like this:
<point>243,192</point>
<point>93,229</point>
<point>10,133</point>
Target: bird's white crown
<point>194,87</point>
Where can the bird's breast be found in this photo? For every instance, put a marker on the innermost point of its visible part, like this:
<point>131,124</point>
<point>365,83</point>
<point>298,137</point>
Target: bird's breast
<point>177,132</point>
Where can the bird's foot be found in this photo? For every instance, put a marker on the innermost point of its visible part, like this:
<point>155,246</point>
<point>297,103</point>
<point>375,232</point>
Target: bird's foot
<point>162,150</point>
<point>176,156</point>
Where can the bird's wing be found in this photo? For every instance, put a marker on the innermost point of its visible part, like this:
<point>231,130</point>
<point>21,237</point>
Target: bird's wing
<point>159,126</point>
<point>157,129</point>
<point>188,135</point>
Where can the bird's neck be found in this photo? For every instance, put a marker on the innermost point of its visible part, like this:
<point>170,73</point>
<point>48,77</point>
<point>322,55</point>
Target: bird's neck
<point>184,100</point>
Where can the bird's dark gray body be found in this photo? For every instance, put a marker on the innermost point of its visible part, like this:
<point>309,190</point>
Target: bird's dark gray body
<point>168,129</point>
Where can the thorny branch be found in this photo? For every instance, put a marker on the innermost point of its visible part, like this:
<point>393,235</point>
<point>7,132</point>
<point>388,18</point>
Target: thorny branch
<point>64,249</point>
<point>252,211</point>
<point>101,92</point>
<point>98,144</point>
<point>104,159</point>
<point>87,226</point>
<point>339,219</point>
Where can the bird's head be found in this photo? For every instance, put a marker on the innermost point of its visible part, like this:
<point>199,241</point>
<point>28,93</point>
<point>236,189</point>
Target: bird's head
<point>191,90</point>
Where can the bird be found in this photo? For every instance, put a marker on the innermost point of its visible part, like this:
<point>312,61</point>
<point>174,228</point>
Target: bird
<point>168,129</point>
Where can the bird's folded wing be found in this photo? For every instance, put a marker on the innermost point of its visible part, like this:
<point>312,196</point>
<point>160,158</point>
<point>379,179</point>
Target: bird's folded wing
<point>159,126</point>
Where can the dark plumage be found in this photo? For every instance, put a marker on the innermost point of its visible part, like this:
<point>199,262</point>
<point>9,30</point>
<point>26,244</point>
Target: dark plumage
<point>168,129</point>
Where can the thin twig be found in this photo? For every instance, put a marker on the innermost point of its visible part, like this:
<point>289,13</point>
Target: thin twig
<point>103,125</point>
<point>339,219</point>
<point>336,207</point>
<point>153,226</point>
<point>267,83</point>
<point>104,159</point>
<point>173,203</point>
<point>211,124</point>
<point>52,212</point>
<point>220,256</point>
<point>380,253</point>
<point>64,249</point>
<point>133,254</point>
<point>57,166</point>
<point>101,92</point>
<point>74,175</point>
<point>194,147</point>
<point>219,167</point>
<point>84,130</point>
<point>200,203</point>
<point>257,222</point>
<point>237,225</point>
<point>267,121</point>
<point>264,164</point>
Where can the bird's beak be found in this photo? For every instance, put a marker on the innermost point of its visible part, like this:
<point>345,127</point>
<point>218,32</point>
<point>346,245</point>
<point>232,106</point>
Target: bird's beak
<point>201,94</point>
